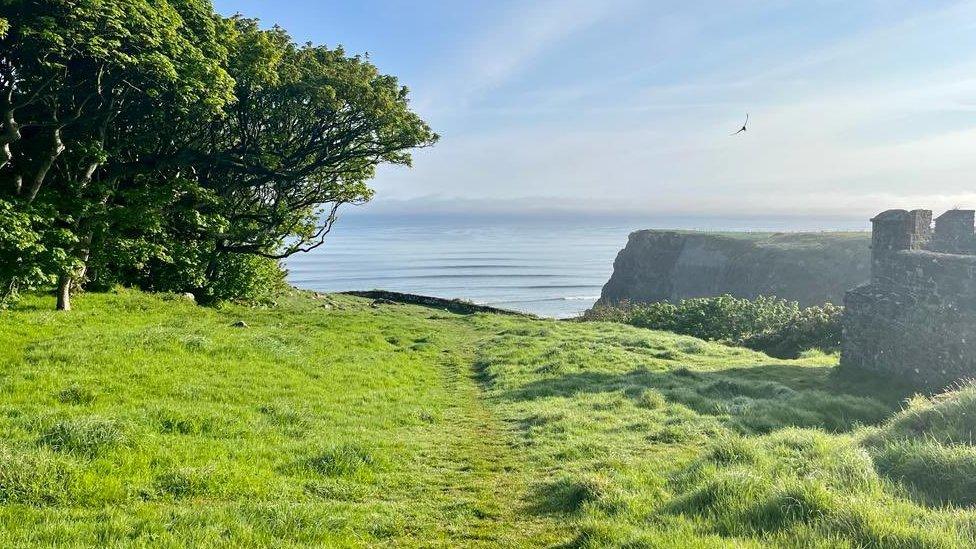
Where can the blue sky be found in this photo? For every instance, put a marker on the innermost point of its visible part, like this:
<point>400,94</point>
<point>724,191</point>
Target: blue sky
<point>627,105</point>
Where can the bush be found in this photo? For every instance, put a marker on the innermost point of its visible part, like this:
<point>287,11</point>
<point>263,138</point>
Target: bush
<point>31,252</point>
<point>190,268</point>
<point>725,317</point>
<point>775,326</point>
<point>812,328</point>
<point>247,278</point>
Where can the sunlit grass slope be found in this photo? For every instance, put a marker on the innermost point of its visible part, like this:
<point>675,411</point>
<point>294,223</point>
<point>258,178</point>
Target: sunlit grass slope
<point>146,420</point>
<point>656,440</point>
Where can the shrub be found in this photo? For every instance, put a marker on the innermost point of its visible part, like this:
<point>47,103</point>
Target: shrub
<point>609,312</point>
<point>724,317</point>
<point>775,326</point>
<point>31,252</point>
<point>191,268</point>
<point>247,278</point>
<point>812,328</point>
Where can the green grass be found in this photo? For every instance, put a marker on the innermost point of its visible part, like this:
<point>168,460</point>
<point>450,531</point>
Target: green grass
<point>145,420</point>
<point>806,241</point>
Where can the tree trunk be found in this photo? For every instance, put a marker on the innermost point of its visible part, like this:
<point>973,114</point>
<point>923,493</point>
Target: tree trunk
<point>57,147</point>
<point>11,130</point>
<point>64,292</point>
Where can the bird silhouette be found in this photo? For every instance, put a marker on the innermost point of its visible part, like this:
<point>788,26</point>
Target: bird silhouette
<point>744,124</point>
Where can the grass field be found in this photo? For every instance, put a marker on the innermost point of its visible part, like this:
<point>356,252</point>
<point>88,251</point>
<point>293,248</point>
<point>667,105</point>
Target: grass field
<point>146,420</point>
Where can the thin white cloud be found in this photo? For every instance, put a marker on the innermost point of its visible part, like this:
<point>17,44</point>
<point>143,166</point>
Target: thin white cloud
<point>846,128</point>
<point>509,46</point>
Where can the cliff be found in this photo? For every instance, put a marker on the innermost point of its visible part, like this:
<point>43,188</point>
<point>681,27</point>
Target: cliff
<point>811,268</point>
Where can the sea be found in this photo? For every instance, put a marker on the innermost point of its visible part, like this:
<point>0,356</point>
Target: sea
<point>547,265</point>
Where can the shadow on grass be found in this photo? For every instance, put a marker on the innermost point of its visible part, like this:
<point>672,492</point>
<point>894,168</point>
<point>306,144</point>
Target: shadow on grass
<point>33,307</point>
<point>756,399</point>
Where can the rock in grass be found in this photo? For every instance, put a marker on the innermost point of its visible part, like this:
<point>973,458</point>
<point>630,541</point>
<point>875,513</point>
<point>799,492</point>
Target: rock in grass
<point>189,297</point>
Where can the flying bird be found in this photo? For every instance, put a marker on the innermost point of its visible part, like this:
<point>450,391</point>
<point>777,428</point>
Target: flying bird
<point>744,124</point>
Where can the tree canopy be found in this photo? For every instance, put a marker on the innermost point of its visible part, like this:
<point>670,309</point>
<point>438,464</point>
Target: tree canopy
<point>155,142</point>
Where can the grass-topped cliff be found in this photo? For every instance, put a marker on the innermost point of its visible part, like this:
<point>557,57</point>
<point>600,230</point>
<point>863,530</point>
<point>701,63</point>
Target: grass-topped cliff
<point>146,420</point>
<point>811,268</point>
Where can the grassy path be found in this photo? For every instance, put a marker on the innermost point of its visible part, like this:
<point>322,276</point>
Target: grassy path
<point>491,476</point>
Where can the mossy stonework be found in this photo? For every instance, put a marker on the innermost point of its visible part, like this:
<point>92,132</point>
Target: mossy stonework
<point>916,318</point>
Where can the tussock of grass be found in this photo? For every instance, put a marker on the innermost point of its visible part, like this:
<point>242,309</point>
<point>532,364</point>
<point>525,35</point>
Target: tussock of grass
<point>86,436</point>
<point>172,421</point>
<point>796,486</point>
<point>337,489</point>
<point>341,460</point>
<point>651,399</point>
<point>35,477</point>
<point>937,474</point>
<point>946,418</point>
<point>187,482</point>
<point>568,495</point>
<point>76,394</point>
<point>929,448</point>
<point>287,419</point>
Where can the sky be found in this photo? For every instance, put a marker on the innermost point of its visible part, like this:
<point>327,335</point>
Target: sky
<point>626,106</point>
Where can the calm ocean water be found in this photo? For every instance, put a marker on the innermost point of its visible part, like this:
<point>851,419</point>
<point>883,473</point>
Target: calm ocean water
<point>549,267</point>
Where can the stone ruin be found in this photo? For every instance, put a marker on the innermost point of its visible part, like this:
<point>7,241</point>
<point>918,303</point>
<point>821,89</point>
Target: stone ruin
<point>916,318</point>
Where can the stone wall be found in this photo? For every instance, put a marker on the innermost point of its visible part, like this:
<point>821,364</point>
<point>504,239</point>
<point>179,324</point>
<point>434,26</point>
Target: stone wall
<point>916,318</point>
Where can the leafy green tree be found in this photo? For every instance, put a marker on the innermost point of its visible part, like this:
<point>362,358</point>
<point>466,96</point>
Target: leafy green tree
<point>303,136</point>
<point>153,142</point>
<point>307,130</point>
<point>85,88</point>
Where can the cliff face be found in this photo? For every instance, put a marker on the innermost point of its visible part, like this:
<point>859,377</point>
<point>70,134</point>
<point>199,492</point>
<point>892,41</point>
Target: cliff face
<point>671,265</point>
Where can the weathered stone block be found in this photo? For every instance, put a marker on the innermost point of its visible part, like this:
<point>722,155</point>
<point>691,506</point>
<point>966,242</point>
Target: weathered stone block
<point>954,232</point>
